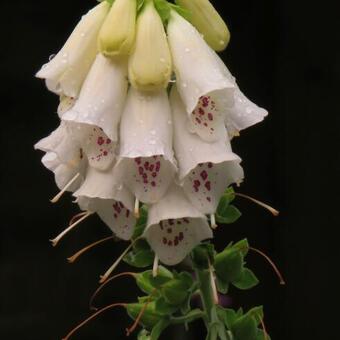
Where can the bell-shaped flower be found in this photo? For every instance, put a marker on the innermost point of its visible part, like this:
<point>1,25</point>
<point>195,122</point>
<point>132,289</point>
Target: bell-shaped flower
<point>146,164</point>
<point>175,227</point>
<point>150,64</point>
<point>205,169</point>
<point>113,203</point>
<point>66,103</point>
<point>66,72</point>
<point>64,157</point>
<point>205,90</point>
<point>208,22</point>
<point>102,96</point>
<point>96,145</point>
<point>244,113</point>
<point>117,34</point>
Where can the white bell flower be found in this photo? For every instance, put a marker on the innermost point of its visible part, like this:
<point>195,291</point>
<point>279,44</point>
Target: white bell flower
<point>146,165</point>
<point>114,214</point>
<point>205,169</point>
<point>66,103</point>
<point>96,145</point>
<point>102,96</point>
<point>175,227</point>
<point>66,72</point>
<point>201,84</point>
<point>64,157</point>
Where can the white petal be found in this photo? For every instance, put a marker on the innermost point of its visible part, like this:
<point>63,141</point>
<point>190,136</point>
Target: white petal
<point>104,185</point>
<point>66,103</point>
<point>205,169</point>
<point>198,72</point>
<point>102,97</point>
<point>66,72</point>
<point>64,174</point>
<point>175,227</point>
<point>146,166</point>
<point>113,213</point>
<point>244,113</point>
<point>97,146</point>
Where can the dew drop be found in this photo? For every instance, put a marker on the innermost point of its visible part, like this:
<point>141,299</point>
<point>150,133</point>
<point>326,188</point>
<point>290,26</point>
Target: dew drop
<point>187,50</point>
<point>153,132</point>
<point>184,85</point>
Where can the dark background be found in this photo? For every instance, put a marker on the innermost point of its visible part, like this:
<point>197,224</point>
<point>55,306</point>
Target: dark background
<point>285,55</point>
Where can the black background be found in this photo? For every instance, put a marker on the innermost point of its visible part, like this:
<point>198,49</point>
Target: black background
<point>285,55</point>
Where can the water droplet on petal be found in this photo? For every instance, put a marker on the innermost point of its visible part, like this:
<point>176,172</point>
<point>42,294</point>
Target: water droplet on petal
<point>153,132</point>
<point>184,85</point>
<point>187,50</point>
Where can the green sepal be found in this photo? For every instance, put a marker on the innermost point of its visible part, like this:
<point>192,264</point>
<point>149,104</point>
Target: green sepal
<point>242,246</point>
<point>181,11</point>
<point>202,254</point>
<point>147,283</point>
<point>245,328</point>
<point>159,328</point>
<point>257,313</point>
<point>164,9</point>
<point>227,215</point>
<point>164,308</point>
<point>247,280</point>
<point>140,4</point>
<point>174,292</point>
<point>261,335</point>
<point>222,286</point>
<point>149,318</point>
<point>143,335</point>
<point>141,258</point>
<point>141,222</point>
<point>229,264</point>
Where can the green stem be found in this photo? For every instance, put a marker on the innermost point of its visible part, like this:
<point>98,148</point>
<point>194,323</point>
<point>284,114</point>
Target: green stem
<point>206,292</point>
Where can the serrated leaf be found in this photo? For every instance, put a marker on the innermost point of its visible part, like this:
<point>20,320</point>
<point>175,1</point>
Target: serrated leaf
<point>227,214</point>
<point>247,280</point>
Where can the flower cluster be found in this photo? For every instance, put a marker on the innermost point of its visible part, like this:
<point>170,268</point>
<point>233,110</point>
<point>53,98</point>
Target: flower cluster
<point>147,113</point>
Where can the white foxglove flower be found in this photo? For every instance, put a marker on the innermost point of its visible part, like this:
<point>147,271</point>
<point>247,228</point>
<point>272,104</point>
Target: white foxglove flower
<point>102,96</point>
<point>117,34</point>
<point>205,169</point>
<point>66,72</point>
<point>96,145</point>
<point>201,84</point>
<point>175,227</point>
<point>146,165</point>
<point>114,214</point>
<point>150,64</point>
<point>66,103</point>
<point>64,157</point>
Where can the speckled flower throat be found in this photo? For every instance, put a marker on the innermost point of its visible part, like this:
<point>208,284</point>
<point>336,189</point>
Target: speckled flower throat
<point>147,114</point>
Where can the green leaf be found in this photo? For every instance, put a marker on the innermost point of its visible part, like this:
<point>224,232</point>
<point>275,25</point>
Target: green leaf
<point>261,336</point>
<point>175,292</point>
<point>229,265</point>
<point>147,283</point>
<point>244,328</point>
<point>164,308</point>
<point>159,328</point>
<point>230,317</point>
<point>140,258</point>
<point>227,214</point>
<point>202,254</point>
<point>247,280</point>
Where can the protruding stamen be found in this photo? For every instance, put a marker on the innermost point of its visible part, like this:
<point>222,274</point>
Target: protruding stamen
<point>130,330</point>
<point>92,317</point>
<point>76,217</point>
<point>155,266</point>
<point>56,240</point>
<point>74,257</point>
<point>56,198</point>
<point>137,214</point>
<point>264,205</point>
<point>213,221</point>
<point>213,284</point>
<point>264,329</point>
<point>104,284</point>
<point>104,277</point>
<point>276,270</point>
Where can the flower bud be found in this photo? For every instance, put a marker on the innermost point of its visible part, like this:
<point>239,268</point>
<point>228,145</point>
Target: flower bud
<point>206,19</point>
<point>117,34</point>
<point>150,64</point>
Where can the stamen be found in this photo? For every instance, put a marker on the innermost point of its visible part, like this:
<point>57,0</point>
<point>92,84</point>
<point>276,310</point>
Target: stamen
<point>213,221</point>
<point>56,240</point>
<point>74,257</point>
<point>104,277</point>
<point>264,205</point>
<point>264,330</point>
<point>276,270</point>
<point>76,217</point>
<point>130,330</point>
<point>155,266</point>
<point>213,284</point>
<point>137,214</point>
<point>61,193</point>
<point>104,284</point>
<point>92,317</point>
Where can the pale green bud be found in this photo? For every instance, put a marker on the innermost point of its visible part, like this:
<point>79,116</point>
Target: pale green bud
<point>150,64</point>
<point>117,34</point>
<point>206,19</point>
